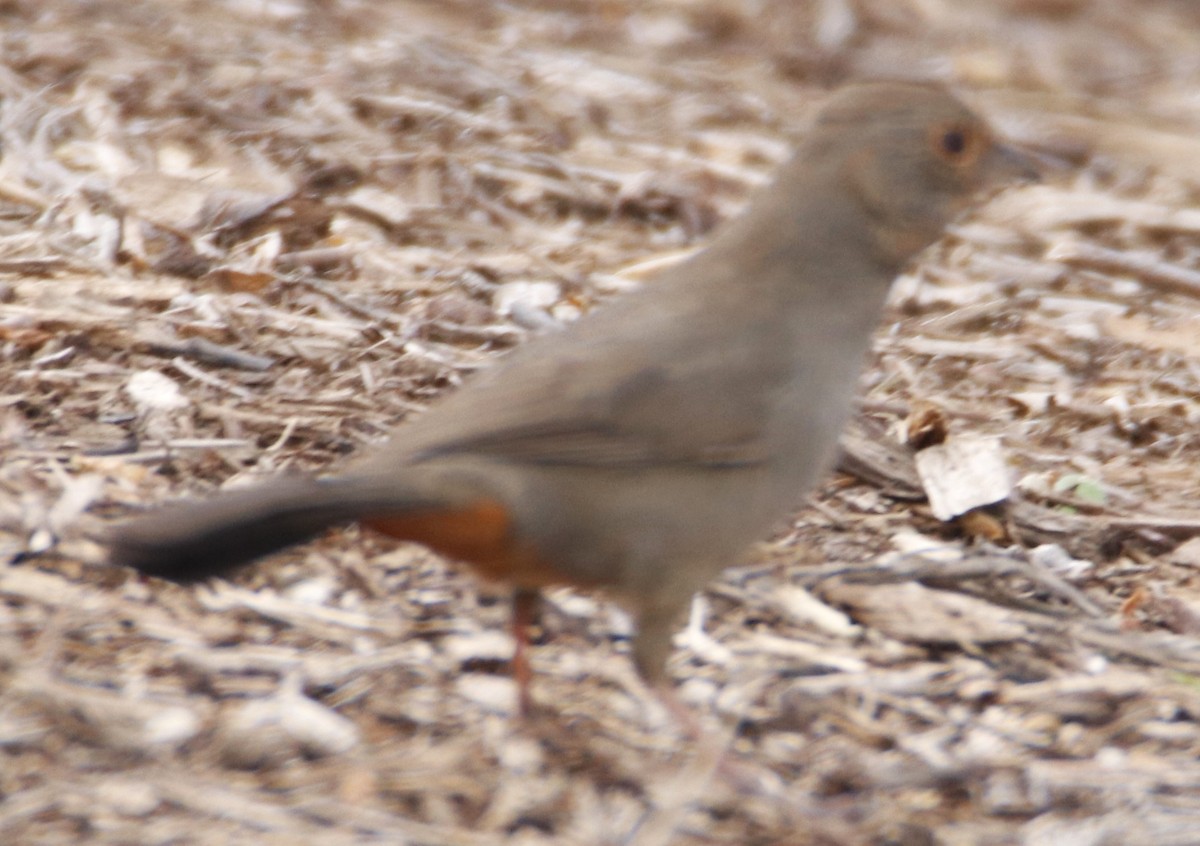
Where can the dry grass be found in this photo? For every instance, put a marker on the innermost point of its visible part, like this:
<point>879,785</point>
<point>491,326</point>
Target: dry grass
<point>240,238</point>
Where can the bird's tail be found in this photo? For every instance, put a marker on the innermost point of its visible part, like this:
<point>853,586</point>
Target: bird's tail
<point>194,540</point>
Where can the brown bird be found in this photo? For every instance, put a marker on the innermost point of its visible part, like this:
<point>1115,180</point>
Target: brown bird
<point>642,449</point>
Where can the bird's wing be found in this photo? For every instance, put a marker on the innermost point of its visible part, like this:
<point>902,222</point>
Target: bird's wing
<point>597,396</point>
<point>655,417</point>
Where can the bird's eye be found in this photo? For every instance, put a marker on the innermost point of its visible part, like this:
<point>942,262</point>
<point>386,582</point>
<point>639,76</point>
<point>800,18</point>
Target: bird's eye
<point>953,142</point>
<point>957,144</point>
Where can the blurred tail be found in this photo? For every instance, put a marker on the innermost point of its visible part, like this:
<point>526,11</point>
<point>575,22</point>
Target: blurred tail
<point>195,540</point>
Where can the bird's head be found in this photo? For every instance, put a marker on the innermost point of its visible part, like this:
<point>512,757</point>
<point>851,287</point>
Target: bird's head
<point>913,157</point>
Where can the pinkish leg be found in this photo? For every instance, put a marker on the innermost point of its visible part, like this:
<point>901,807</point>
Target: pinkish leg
<point>524,611</point>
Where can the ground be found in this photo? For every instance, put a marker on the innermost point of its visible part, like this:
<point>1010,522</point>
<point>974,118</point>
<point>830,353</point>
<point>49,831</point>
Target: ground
<point>241,238</point>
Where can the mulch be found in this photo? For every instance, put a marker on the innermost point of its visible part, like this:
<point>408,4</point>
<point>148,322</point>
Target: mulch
<point>239,239</point>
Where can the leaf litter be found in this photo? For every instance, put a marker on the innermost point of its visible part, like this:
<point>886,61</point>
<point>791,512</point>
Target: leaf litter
<point>244,239</point>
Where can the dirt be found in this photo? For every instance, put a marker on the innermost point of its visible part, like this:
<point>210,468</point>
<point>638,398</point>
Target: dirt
<point>238,239</point>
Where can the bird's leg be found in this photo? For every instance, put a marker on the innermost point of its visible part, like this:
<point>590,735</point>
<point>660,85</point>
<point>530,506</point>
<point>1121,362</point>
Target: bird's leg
<point>651,647</point>
<point>525,604</point>
<point>711,744</point>
<point>685,718</point>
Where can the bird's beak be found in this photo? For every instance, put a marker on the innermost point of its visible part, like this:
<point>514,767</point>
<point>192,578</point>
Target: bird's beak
<point>1008,164</point>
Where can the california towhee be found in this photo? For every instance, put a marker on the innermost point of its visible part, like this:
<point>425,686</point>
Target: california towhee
<point>643,448</point>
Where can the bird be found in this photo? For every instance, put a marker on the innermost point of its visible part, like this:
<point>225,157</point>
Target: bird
<point>644,448</point>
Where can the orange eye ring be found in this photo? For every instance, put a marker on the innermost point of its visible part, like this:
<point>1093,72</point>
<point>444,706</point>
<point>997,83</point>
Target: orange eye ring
<point>957,144</point>
<point>954,142</point>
